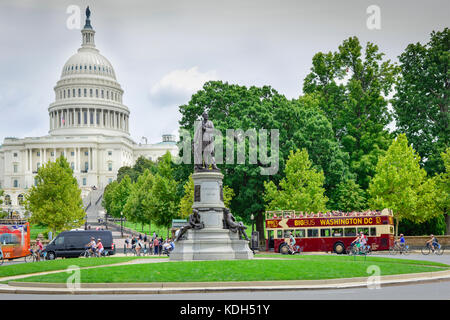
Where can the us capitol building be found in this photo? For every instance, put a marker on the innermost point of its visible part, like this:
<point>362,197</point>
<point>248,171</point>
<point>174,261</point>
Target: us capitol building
<point>89,125</point>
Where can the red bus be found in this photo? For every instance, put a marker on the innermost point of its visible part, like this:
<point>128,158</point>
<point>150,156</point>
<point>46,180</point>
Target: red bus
<point>331,231</point>
<point>14,238</point>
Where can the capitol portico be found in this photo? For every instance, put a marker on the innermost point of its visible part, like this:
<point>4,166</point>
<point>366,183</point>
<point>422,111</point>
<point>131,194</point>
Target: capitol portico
<point>88,124</point>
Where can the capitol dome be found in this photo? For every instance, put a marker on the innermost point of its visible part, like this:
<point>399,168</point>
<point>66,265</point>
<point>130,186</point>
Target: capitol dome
<point>88,62</point>
<point>88,98</point>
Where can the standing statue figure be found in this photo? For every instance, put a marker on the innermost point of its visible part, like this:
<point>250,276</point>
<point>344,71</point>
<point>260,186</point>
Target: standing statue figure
<point>204,145</point>
<point>230,223</point>
<point>88,12</point>
<point>194,223</point>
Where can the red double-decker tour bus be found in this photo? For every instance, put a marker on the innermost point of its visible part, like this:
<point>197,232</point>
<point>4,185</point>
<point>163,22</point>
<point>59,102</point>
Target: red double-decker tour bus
<point>331,231</point>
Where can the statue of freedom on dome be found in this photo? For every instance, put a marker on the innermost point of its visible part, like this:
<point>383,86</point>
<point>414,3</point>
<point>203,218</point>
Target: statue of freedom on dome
<point>88,12</point>
<point>204,145</point>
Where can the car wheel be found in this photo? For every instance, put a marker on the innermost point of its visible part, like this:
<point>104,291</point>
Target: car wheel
<point>339,248</point>
<point>51,255</point>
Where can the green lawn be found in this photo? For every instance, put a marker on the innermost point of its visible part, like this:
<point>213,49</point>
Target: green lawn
<point>59,264</point>
<point>299,268</point>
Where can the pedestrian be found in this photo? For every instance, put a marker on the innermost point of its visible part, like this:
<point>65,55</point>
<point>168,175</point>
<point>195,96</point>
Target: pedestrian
<point>160,243</point>
<point>156,245</point>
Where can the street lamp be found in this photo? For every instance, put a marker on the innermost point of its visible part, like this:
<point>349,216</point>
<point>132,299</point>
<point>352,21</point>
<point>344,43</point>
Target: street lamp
<point>252,217</point>
<point>121,224</point>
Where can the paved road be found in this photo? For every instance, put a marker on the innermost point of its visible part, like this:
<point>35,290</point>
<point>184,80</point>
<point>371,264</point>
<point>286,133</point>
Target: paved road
<point>424,291</point>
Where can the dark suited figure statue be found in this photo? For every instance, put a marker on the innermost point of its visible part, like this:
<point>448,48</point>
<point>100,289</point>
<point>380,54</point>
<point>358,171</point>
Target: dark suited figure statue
<point>204,137</point>
<point>230,223</point>
<point>194,223</point>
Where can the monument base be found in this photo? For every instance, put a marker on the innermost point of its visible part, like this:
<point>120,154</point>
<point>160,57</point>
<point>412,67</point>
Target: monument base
<point>211,244</point>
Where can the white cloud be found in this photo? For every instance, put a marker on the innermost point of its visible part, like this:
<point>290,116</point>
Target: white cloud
<point>177,86</point>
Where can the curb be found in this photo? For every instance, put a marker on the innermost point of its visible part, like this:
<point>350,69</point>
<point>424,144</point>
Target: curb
<point>211,287</point>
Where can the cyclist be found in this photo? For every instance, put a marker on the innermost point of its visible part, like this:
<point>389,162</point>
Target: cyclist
<point>363,240</point>
<point>291,242</point>
<point>38,250</point>
<point>356,242</point>
<point>138,246</point>
<point>99,247</point>
<point>433,243</point>
<point>401,242</point>
<point>91,245</point>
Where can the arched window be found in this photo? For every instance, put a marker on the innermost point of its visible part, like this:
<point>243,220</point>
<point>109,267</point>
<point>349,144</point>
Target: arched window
<point>79,92</point>
<point>20,199</point>
<point>8,200</point>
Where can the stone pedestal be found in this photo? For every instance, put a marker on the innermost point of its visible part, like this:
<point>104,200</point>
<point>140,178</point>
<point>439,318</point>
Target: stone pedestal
<point>212,242</point>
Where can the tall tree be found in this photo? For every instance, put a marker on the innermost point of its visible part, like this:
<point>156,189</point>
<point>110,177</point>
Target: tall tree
<point>401,185</point>
<point>108,193</point>
<point>443,189</point>
<point>352,86</point>
<point>349,197</point>
<point>301,189</point>
<point>136,208</point>
<point>422,99</point>
<point>55,201</point>
<point>120,196</point>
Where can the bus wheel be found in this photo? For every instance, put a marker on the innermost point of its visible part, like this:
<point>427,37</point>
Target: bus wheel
<point>339,248</point>
<point>284,249</point>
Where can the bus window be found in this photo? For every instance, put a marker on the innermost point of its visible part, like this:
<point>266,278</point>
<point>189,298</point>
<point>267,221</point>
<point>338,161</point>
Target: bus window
<point>287,233</point>
<point>300,233</point>
<point>373,232</point>
<point>350,232</point>
<point>313,233</point>
<point>9,238</point>
<point>364,230</point>
<point>279,234</point>
<point>324,232</point>
<point>337,232</point>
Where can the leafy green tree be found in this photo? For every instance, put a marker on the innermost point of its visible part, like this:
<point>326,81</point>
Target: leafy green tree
<point>108,196</point>
<point>443,189</point>
<point>136,208</point>
<point>352,86</point>
<point>164,202</point>
<point>349,197</point>
<point>137,169</point>
<point>187,201</point>
<point>401,185</point>
<point>301,189</point>
<point>422,99</point>
<point>55,201</point>
<point>120,196</point>
<point>3,214</point>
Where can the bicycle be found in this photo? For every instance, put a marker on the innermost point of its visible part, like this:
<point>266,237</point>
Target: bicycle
<point>399,249</point>
<point>32,257</point>
<point>87,253</point>
<point>426,250</point>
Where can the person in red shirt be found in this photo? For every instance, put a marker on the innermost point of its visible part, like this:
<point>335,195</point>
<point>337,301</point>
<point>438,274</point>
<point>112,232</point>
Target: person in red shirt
<point>99,247</point>
<point>39,248</point>
<point>156,245</point>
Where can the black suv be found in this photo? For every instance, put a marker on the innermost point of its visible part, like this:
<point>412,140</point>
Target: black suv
<point>71,244</point>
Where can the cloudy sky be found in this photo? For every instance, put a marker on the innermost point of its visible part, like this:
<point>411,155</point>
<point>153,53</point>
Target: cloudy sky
<point>164,50</point>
